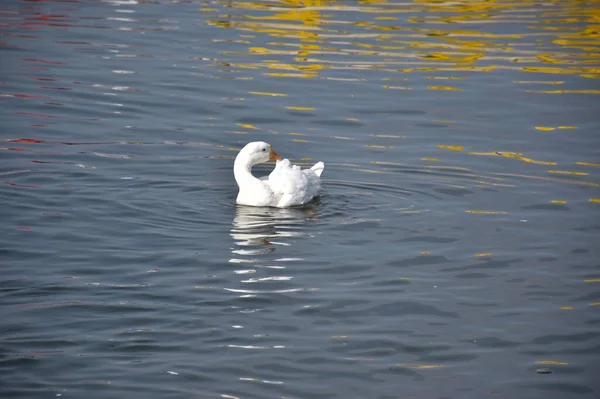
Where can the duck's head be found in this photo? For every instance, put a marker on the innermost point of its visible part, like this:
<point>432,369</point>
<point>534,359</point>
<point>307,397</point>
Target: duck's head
<point>258,152</point>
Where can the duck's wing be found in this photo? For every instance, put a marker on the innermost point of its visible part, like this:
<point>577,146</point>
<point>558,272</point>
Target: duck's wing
<point>314,182</point>
<point>279,166</point>
<point>318,168</point>
<point>294,185</point>
<point>277,178</point>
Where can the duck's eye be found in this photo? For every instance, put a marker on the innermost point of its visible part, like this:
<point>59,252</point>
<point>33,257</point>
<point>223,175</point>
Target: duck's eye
<point>264,149</point>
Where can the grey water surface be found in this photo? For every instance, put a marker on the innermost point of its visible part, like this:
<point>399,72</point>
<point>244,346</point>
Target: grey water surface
<point>453,252</point>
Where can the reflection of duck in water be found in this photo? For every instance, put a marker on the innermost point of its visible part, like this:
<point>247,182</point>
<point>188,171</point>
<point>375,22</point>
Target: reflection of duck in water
<point>288,185</point>
<point>258,226</point>
<point>263,248</point>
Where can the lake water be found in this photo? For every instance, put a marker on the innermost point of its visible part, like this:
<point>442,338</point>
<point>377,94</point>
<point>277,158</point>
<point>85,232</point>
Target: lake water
<point>453,253</point>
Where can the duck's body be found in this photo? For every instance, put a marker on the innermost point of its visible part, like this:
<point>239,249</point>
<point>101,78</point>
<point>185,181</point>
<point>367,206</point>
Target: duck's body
<point>288,185</point>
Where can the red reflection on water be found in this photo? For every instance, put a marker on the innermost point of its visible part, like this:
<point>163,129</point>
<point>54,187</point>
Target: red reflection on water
<point>41,79</point>
<point>104,143</point>
<point>28,96</point>
<point>26,141</point>
<point>55,88</point>
<point>25,228</point>
<point>50,17</point>
<point>53,162</point>
<point>12,183</point>
<point>43,61</point>
<point>23,36</point>
<point>73,42</point>
<point>46,24</point>
<point>34,114</point>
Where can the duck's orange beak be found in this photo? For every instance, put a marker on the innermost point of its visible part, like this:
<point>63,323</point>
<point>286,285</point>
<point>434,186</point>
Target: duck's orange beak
<point>273,156</point>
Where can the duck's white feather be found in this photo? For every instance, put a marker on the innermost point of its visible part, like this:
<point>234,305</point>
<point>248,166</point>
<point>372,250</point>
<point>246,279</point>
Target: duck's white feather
<point>288,185</point>
<point>292,185</point>
<point>318,168</point>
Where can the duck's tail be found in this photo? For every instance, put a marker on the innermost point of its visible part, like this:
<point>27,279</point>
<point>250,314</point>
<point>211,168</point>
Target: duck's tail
<point>318,168</point>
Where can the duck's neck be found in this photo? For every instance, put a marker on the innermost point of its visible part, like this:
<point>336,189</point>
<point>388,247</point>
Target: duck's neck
<point>242,170</point>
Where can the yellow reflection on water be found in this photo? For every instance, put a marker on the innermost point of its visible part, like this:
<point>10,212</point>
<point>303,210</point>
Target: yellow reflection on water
<point>568,172</point>
<point>263,93</point>
<point>420,366</point>
<point>587,164</point>
<point>295,108</point>
<point>482,255</point>
<point>561,37</point>
<point>553,362</point>
<point>247,126</point>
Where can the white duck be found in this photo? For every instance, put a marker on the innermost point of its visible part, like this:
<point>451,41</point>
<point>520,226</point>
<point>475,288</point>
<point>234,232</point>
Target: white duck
<point>287,185</point>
